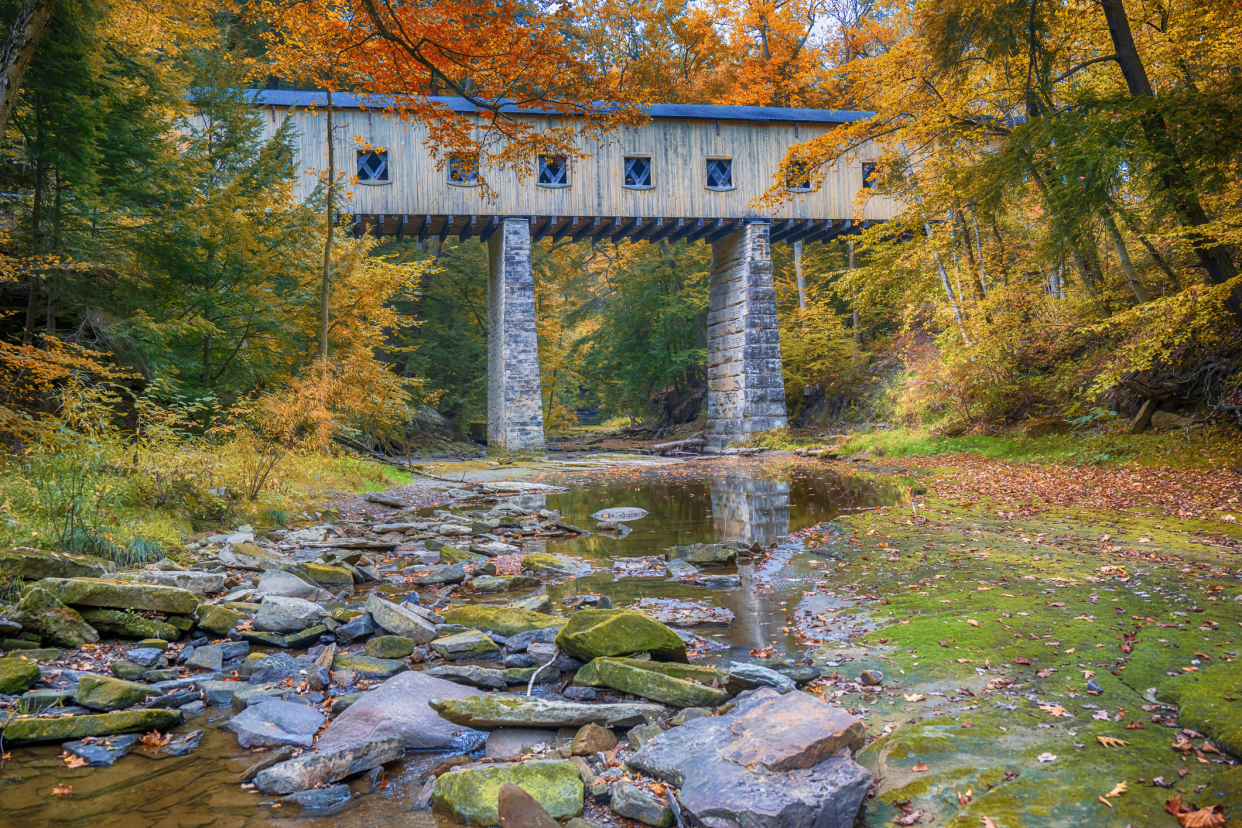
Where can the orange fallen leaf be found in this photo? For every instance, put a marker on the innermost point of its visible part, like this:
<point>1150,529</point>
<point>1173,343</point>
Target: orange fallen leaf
<point>63,790</point>
<point>1105,801</point>
<point>1111,742</point>
<point>972,622</point>
<point>920,767</point>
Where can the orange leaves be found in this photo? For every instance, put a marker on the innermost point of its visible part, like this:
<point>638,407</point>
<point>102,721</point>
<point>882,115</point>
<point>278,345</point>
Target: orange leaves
<point>1188,816</point>
<point>154,739</point>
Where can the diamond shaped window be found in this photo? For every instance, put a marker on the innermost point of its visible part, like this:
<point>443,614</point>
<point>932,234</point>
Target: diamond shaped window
<point>720,174</point>
<point>553,171</point>
<point>372,165</point>
<point>637,172</point>
<point>463,168</point>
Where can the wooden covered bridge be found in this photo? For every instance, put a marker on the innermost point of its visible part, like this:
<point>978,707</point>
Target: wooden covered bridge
<point>692,173</point>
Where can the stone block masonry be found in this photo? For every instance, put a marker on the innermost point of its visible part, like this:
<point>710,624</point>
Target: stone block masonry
<point>514,404</point>
<point>745,388</point>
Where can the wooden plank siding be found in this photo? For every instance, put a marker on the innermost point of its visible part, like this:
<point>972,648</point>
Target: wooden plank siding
<point>679,149</point>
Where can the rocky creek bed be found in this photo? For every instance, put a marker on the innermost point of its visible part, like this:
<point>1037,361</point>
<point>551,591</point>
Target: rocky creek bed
<point>781,641</point>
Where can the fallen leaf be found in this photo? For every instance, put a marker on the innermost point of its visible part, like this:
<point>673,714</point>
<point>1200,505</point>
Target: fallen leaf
<point>72,761</point>
<point>1191,817</point>
<point>63,790</point>
<point>988,823</point>
<point>1110,742</point>
<point>909,819</point>
<point>1047,757</point>
<point>1055,710</point>
<point>1105,801</point>
<point>920,767</point>
<point>1022,660</point>
<point>964,798</point>
<point>972,622</point>
<point>154,739</point>
<point>1117,790</point>
<point>915,697</point>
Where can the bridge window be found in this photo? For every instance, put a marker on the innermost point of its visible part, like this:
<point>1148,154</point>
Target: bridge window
<point>553,171</point>
<point>720,173</point>
<point>463,169</point>
<point>868,171</point>
<point>798,177</point>
<point>638,172</point>
<point>373,166</point>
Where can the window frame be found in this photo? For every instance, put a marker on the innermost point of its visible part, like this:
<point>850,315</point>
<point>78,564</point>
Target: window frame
<point>541,165</point>
<point>448,171</point>
<point>362,153</point>
<point>868,171</point>
<point>625,159</point>
<point>706,171</point>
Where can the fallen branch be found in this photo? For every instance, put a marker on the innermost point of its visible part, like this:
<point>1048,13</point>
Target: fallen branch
<point>556,652</point>
<point>695,441</point>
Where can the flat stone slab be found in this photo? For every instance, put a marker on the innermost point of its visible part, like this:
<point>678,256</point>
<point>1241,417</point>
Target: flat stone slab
<point>118,594</point>
<point>200,583</point>
<point>511,742</point>
<point>100,751</point>
<point>434,575</point>
<point>509,621</point>
<point>287,585</point>
<point>398,709</point>
<point>276,723</point>
<point>684,614</point>
<point>327,766</point>
<point>286,615</point>
<point>483,677</point>
<point>508,710</point>
<point>467,646</point>
<point>65,728</point>
<point>400,619</point>
<point>773,761</point>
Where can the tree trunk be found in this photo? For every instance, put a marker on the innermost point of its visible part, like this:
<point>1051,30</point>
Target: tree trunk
<point>327,246</point>
<point>797,256</point>
<point>1174,177</point>
<point>1123,256</point>
<point>857,329</point>
<point>19,48</point>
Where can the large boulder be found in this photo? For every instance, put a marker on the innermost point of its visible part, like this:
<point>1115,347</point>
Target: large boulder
<point>282,584</point>
<point>129,624</point>
<point>200,583</point>
<point>703,554</point>
<point>398,709</point>
<point>119,594</point>
<point>107,693</point>
<point>285,615</point>
<point>33,565</point>
<point>471,794</point>
<point>325,766</point>
<point>773,761</point>
<point>329,576</point>
<point>42,612</point>
<point>274,722</point>
<point>17,674</point>
<point>624,675</point>
<point>593,634</point>
<point>504,621</point>
<point>588,675</point>
<point>402,620</point>
<point>65,728</point>
<point>255,558</point>
<point>505,710</point>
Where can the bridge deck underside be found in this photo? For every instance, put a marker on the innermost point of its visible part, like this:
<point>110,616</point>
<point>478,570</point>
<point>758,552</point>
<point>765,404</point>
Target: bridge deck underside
<point>599,228</point>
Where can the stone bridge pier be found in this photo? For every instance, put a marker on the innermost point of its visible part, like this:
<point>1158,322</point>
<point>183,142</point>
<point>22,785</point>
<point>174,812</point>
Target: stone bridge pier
<point>745,387</point>
<point>746,392</point>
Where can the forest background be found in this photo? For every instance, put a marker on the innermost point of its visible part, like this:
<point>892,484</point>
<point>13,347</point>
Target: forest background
<point>183,343</point>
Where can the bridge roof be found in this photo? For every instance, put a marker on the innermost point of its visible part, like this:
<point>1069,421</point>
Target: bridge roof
<point>701,112</point>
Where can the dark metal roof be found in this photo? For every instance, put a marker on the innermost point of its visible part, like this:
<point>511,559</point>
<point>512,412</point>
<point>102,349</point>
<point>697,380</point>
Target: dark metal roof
<point>700,112</point>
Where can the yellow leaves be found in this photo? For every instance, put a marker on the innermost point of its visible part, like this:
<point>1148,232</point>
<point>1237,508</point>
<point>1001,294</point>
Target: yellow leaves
<point>1117,790</point>
<point>1055,710</point>
<point>915,697</point>
<point>1111,742</point>
<point>972,622</point>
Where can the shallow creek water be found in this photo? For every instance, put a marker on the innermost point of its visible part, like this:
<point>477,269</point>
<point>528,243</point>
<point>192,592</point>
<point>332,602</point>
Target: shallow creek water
<point>707,502</point>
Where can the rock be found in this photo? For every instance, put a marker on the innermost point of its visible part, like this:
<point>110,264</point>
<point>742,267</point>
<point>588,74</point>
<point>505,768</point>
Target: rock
<point>680,569</point>
<point>1166,420</point>
<point>65,728</point>
<point>398,708</point>
<point>128,670</point>
<point>434,575</point>
<point>219,693</point>
<point>580,694</point>
<point>503,583</point>
<point>42,612</point>
<point>717,581</point>
<point>592,739</point>
<point>773,761</point>
<point>387,500</point>
<point>506,621</point>
<point>502,710</point>
<point>540,652</point>
<point>689,715</point>
<point>471,794</point>
<point>754,675</point>
<point>642,734</point>
<point>625,676</point>
<point>533,603</point>
<point>453,529</point>
<point>389,646</point>
<point>512,742</point>
<point>321,799</point>
<point>634,803</point>
<point>284,615</point>
<point>467,646</point>
<point>210,657</point>
<point>219,620</point>
<point>522,676</point>
<point>255,558</point>
<point>359,627</point>
<point>521,642</point>
<point>545,564</point>
<point>287,585</point>
<point>333,577</point>
<point>200,583</point>
<point>403,620</point>
<point>32,565</point>
<point>118,594</point>
<point>591,634</point>
<point>520,660</point>
<point>453,555</point>
<point>801,675</point>
<point>99,754</point>
<point>518,809</point>
<point>369,668</point>
<point>472,676</point>
<point>17,674</point>
<point>327,766</point>
<point>871,678</point>
<point>589,674</point>
<point>129,624</point>
<point>275,723</point>
<point>107,693</point>
<point>275,668</point>
<point>704,554</point>
<point>148,657</point>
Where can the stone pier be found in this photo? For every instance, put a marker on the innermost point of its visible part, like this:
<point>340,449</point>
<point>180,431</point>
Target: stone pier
<point>745,388</point>
<point>514,404</point>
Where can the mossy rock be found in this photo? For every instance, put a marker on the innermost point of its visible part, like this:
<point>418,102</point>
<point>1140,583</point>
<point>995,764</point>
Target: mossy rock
<point>1203,707</point>
<point>545,564</point>
<point>107,693</point>
<point>471,795</point>
<point>368,668</point>
<point>127,670</point>
<point>32,565</point>
<point>389,646</point>
<point>129,624</point>
<point>219,620</point>
<point>43,612</point>
<point>330,576</point>
<point>471,645</point>
<point>588,675</point>
<point>17,674</point>
<point>504,621</point>
<point>649,684</point>
<point>248,607</point>
<point>591,634</point>
<point>344,615</point>
<point>116,594</point>
<point>452,555</point>
<point>503,583</point>
<point>704,554</point>
<point>182,622</point>
<point>102,724</point>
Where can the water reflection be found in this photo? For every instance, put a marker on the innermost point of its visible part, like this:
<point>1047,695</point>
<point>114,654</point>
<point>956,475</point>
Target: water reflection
<point>748,508</point>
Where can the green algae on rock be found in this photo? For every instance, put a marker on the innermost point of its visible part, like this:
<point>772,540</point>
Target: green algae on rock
<point>219,620</point>
<point>471,794</point>
<point>591,634</point>
<point>129,624</point>
<point>452,555</point>
<point>503,583</point>
<point>42,612</point>
<point>33,565</point>
<point>368,668</point>
<point>504,621</point>
<point>628,676</point>
<point>329,576</point>
<point>542,563</point>
<point>17,674</point>
<point>389,646</point>
<point>468,645</point>
<point>66,728</point>
<point>117,594</point>
<point>107,693</point>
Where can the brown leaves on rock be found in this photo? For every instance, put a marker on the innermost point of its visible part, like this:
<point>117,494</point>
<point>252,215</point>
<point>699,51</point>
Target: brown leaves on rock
<point>1190,816</point>
<point>154,739</point>
<point>63,790</point>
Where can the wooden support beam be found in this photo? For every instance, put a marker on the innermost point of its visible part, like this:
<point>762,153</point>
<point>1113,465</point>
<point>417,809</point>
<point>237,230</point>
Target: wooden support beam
<point>489,227</point>
<point>693,226</point>
<point>672,226</point>
<point>801,230</point>
<point>782,229</point>
<point>588,227</point>
<point>379,226</point>
<point>401,227</point>
<point>564,231</point>
<point>357,228</point>
<point>424,230</point>
<point>468,229</point>
<point>544,229</point>
<point>707,227</point>
<point>624,230</point>
<point>647,229</point>
<point>838,229</point>
<point>720,233</point>
<point>447,228</point>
